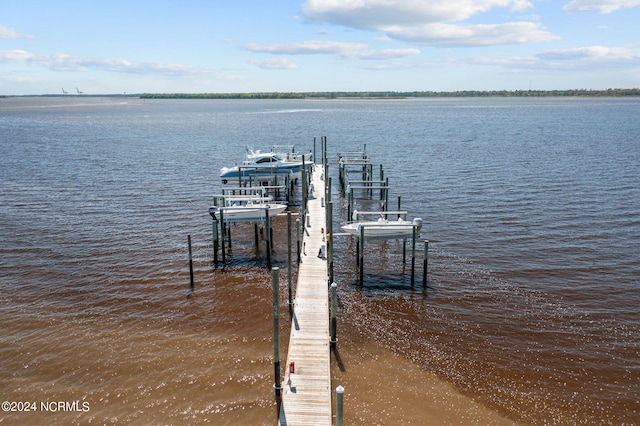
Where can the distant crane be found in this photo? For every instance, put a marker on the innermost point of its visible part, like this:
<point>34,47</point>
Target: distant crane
<point>78,90</point>
<point>63,92</point>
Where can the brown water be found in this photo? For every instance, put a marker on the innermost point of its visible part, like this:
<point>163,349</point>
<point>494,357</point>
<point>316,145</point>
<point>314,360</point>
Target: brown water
<point>530,314</point>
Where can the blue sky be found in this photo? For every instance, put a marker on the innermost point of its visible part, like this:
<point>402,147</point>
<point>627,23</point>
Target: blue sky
<point>226,46</point>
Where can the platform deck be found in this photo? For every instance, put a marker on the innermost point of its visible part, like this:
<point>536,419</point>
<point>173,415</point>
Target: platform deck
<point>306,393</point>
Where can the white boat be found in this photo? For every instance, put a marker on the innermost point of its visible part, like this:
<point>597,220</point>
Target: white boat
<point>263,166</point>
<point>246,209</point>
<point>384,228</point>
<point>252,207</point>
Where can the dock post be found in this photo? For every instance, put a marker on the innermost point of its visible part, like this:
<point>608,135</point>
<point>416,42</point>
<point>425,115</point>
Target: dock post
<point>330,239</point>
<point>289,256</point>
<point>413,256</point>
<point>334,308</point>
<point>358,253</point>
<point>286,188</point>
<point>404,253</point>
<point>324,152</point>
<point>222,233</point>
<point>214,224</point>
<point>267,222</point>
<point>424,264</point>
<point>298,239</point>
<point>290,188</point>
<point>349,203</point>
<point>276,330</point>
<point>255,234</point>
<point>190,264</point>
<point>370,179</point>
<point>382,186</point>
<point>339,405</point>
<point>386,194</point>
<point>361,260</point>
<point>305,195</point>
<point>327,184</point>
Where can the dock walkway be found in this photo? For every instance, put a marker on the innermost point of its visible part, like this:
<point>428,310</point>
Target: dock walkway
<point>306,393</point>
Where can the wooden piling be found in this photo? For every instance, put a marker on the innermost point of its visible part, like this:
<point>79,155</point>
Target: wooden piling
<point>289,284</point>
<point>425,264</point>
<point>349,202</point>
<point>268,236</point>
<point>413,256</point>
<point>255,235</point>
<point>214,224</point>
<point>361,260</point>
<point>275,310</point>
<point>222,233</point>
<point>298,239</point>
<point>334,310</point>
<point>330,240</point>
<point>386,195</point>
<point>339,405</point>
<point>305,196</point>
<point>190,264</point>
<point>404,253</point>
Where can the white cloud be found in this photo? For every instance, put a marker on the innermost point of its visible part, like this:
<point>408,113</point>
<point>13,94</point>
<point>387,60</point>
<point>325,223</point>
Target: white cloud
<point>381,54</point>
<point>16,56</point>
<point>434,23</point>
<point>304,48</point>
<point>600,6</point>
<point>472,35</point>
<point>376,14</point>
<point>64,62</point>
<point>6,32</point>
<point>593,55</point>
<point>592,58</point>
<point>274,64</point>
<point>343,50</point>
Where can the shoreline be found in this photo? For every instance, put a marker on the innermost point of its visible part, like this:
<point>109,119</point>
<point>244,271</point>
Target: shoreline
<point>369,95</point>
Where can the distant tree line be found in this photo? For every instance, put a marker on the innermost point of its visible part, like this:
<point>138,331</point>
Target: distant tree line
<point>266,95</point>
<point>396,95</point>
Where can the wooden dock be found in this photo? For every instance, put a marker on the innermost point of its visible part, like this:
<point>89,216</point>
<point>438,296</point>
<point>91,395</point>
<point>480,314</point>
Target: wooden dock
<point>306,393</point>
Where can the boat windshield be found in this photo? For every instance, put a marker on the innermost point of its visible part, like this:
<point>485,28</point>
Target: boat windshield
<point>269,159</point>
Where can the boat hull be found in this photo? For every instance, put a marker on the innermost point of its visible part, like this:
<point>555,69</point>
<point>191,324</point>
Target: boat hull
<point>260,173</point>
<point>383,229</point>
<point>246,213</point>
<point>265,166</point>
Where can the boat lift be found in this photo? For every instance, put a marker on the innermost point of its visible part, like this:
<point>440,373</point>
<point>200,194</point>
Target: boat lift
<point>359,167</point>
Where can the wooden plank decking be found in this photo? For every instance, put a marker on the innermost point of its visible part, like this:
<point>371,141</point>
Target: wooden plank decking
<point>306,394</point>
